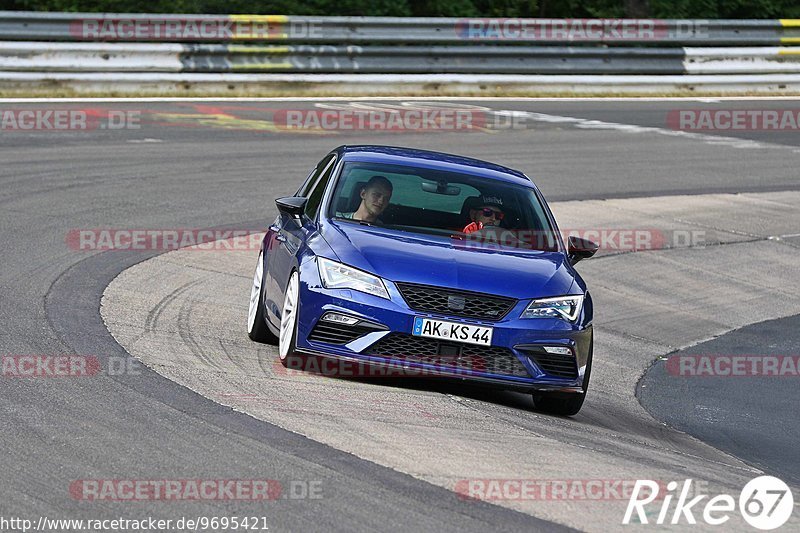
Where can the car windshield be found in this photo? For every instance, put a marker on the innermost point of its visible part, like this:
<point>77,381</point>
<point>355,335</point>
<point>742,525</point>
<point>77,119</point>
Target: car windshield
<point>473,210</point>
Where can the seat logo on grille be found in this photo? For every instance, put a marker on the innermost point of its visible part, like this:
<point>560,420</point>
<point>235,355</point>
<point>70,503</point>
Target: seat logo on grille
<point>456,303</point>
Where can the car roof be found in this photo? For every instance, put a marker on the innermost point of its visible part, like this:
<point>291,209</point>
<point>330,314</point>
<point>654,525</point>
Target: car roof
<point>375,153</point>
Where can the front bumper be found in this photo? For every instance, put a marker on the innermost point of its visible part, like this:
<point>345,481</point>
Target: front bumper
<point>519,340</point>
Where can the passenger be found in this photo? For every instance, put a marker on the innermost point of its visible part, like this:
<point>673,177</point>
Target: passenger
<point>375,197</point>
<point>489,212</point>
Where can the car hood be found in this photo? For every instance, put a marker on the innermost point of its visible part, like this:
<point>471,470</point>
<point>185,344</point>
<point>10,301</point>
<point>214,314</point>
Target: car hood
<point>429,260</point>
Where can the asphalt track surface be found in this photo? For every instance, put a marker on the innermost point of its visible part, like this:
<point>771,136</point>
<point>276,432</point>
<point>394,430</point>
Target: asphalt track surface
<point>212,165</point>
<point>179,314</point>
<point>733,417</point>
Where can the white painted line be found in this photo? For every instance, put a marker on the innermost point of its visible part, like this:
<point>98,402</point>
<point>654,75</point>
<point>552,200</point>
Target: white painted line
<point>582,123</point>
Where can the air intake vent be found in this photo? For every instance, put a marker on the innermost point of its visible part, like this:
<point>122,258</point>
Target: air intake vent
<point>455,303</point>
<point>556,365</point>
<point>334,333</point>
<point>449,356</point>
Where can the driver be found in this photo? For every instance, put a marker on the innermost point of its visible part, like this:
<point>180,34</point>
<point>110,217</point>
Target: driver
<point>375,197</point>
<point>489,212</point>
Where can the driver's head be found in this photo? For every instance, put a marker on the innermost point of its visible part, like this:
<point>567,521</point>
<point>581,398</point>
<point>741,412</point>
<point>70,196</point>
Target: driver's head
<point>489,211</point>
<point>375,196</point>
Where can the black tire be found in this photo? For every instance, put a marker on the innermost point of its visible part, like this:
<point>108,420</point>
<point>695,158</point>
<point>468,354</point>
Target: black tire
<point>260,332</point>
<point>564,403</point>
<point>558,403</point>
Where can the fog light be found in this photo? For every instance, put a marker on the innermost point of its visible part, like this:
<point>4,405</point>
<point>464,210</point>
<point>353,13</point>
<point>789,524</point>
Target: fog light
<point>339,318</point>
<point>560,350</point>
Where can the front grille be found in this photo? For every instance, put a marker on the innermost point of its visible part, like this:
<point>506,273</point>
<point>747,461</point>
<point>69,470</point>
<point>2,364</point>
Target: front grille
<point>453,302</point>
<point>488,359</point>
<point>337,333</point>
<point>556,365</point>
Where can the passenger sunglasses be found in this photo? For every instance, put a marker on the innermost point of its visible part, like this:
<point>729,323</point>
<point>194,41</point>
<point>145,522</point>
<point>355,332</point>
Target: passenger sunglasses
<point>487,212</point>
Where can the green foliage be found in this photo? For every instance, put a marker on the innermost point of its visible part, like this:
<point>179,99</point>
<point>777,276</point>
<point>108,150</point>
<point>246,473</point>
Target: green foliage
<point>702,9</point>
<point>506,8</point>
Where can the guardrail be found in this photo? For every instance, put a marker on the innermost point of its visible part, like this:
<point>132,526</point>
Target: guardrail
<point>359,30</point>
<point>221,58</point>
<point>80,50</point>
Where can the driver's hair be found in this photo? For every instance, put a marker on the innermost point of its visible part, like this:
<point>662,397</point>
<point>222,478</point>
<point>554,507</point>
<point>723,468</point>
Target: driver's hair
<point>376,181</point>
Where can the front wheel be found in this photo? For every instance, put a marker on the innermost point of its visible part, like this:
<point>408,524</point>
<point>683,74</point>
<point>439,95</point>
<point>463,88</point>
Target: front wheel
<point>287,338</point>
<point>257,328</point>
<point>564,403</point>
<point>559,403</point>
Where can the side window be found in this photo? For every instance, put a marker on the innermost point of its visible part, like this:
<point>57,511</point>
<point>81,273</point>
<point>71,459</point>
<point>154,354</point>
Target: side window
<point>312,178</point>
<point>318,189</point>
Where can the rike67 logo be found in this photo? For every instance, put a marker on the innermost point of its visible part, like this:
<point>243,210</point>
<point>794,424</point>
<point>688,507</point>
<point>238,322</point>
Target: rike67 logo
<point>765,503</point>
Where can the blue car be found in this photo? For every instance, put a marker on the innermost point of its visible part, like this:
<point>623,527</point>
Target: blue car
<point>423,263</point>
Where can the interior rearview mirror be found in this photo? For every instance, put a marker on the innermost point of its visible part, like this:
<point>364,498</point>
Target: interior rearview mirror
<point>441,188</point>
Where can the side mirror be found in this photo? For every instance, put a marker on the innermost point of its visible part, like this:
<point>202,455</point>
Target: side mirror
<point>581,249</point>
<point>292,205</point>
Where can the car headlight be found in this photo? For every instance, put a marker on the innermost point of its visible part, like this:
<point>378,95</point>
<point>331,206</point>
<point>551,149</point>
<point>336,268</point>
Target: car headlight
<point>566,307</point>
<point>339,276</point>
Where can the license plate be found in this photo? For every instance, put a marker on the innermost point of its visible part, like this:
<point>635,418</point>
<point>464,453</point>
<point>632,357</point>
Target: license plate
<point>452,331</point>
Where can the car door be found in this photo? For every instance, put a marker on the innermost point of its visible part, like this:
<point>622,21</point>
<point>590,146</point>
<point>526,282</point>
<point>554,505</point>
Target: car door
<point>287,235</point>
